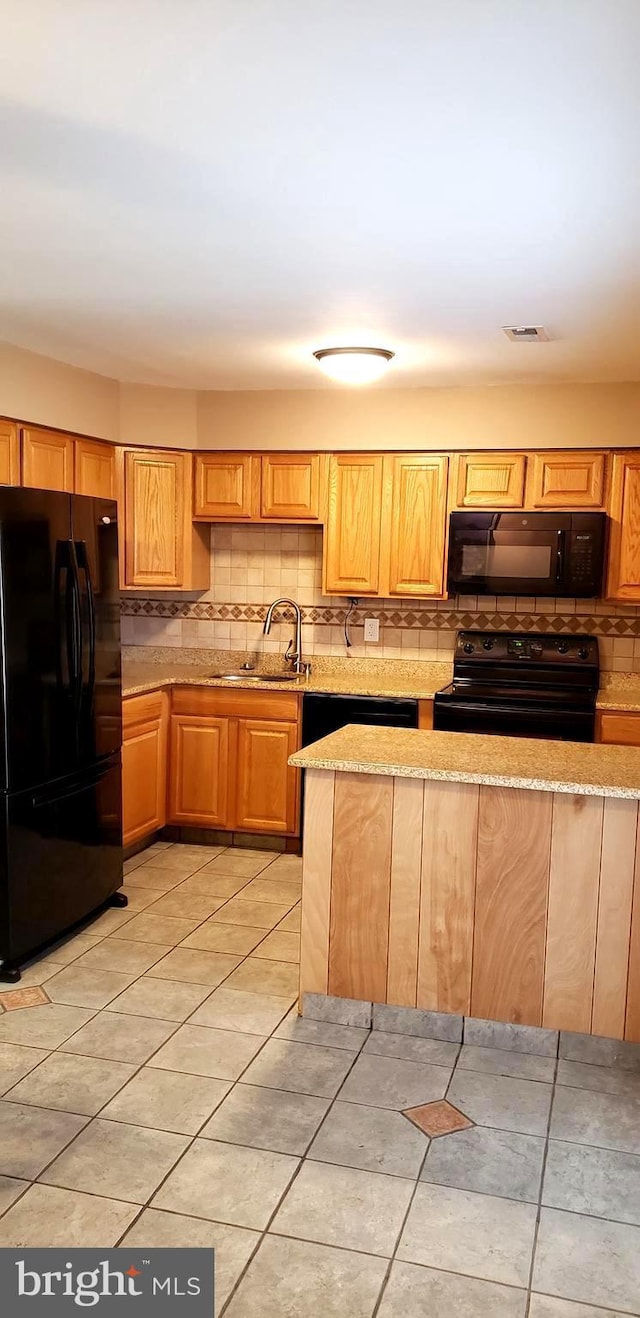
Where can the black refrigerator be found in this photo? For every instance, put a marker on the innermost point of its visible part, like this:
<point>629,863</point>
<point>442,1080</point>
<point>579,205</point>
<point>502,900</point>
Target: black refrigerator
<point>60,717</point>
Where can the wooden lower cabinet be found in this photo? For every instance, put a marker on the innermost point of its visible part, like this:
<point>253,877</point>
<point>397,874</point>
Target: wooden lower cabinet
<point>618,727</point>
<point>144,765</point>
<point>228,760</point>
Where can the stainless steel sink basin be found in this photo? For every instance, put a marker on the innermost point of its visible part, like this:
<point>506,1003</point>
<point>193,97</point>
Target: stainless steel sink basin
<point>257,677</point>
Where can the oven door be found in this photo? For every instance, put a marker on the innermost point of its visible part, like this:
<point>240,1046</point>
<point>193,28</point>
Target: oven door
<point>505,554</point>
<point>543,722</point>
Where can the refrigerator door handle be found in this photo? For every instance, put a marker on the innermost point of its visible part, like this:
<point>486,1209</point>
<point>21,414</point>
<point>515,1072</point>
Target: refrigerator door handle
<point>66,612</point>
<point>82,559</point>
<point>74,628</point>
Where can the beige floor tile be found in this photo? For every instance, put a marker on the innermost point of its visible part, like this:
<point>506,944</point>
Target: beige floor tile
<point>119,1038</point>
<point>278,978</point>
<point>31,1136</point>
<point>233,1244</point>
<point>179,853</point>
<point>202,1051</point>
<point>214,885</point>
<point>162,998</point>
<point>85,986</point>
<point>168,1100</point>
<point>267,1119</point>
<point>117,1160</point>
<point>285,867</point>
<point>285,891</point>
<point>302,1068</point>
<point>154,879</point>
<point>479,1234</point>
<point>133,863</point>
<point>155,848</point>
<point>227,1183</point>
<point>164,929</point>
<point>38,972</point>
<point>42,1027</point>
<point>47,1217</point>
<point>279,946</point>
<point>215,937</point>
<point>198,907</point>
<point>16,1062</point>
<point>292,922</point>
<point>260,915</point>
<point>107,923</point>
<point>413,1292</point>
<point>250,1013</point>
<point>308,1280</point>
<point>10,1189</point>
<point>70,949</point>
<point>138,899</point>
<point>117,954</point>
<point>69,1083</point>
<point>190,966</point>
<point>242,864</point>
<point>341,1206</point>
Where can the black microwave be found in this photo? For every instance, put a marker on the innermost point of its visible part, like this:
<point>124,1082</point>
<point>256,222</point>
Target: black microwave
<point>526,553</point>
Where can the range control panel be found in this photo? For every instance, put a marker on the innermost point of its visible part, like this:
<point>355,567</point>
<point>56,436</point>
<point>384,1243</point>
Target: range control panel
<point>518,647</point>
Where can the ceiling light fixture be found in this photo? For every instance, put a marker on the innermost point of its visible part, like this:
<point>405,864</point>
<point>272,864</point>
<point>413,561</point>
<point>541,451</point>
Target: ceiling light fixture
<point>354,365</point>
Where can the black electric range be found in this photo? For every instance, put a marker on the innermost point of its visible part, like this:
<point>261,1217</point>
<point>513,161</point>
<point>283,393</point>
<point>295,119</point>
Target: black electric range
<point>519,685</point>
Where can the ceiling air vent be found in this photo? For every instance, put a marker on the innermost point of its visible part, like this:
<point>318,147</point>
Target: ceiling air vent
<point>526,333</point>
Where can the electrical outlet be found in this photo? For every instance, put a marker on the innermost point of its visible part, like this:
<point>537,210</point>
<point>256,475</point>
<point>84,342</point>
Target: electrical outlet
<point>371,629</point>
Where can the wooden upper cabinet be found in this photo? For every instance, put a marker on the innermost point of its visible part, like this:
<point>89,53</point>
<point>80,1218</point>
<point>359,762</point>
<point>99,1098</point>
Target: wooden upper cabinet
<point>162,548</point>
<point>95,469</point>
<point>352,539</point>
<point>227,486</point>
<point>623,582</point>
<point>9,453</point>
<point>290,487</point>
<point>47,459</point>
<point>417,514</point>
<point>267,787</point>
<point>566,480</point>
<point>489,480</point>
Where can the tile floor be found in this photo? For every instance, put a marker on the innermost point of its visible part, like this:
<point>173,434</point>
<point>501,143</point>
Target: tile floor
<point>167,1094</point>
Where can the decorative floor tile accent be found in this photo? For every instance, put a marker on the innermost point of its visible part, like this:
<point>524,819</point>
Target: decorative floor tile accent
<point>26,997</point>
<point>438,1118</point>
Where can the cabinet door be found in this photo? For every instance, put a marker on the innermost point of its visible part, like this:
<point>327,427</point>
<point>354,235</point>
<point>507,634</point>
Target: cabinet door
<point>490,480</point>
<point>566,480</point>
<point>417,523</point>
<point>227,486</point>
<point>624,530</point>
<point>95,469</point>
<point>351,551</point>
<point>161,546</point>
<point>618,728</point>
<point>290,487</point>
<point>47,460</point>
<point>144,765</point>
<point>9,453</point>
<point>267,787</point>
<point>199,771</point>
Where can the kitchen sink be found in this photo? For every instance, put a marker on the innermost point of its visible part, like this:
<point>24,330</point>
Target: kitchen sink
<point>257,677</point>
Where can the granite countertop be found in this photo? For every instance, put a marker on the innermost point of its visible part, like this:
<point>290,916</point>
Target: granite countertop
<point>412,679</point>
<point>551,766</point>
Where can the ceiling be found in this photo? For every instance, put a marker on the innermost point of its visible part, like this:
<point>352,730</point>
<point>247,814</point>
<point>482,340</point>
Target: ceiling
<point>198,193</point>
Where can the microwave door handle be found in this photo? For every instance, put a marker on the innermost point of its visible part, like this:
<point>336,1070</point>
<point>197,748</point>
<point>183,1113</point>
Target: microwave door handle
<point>560,556</point>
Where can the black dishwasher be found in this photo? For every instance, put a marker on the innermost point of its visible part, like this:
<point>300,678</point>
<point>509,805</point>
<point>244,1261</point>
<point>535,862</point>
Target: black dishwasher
<point>322,714</point>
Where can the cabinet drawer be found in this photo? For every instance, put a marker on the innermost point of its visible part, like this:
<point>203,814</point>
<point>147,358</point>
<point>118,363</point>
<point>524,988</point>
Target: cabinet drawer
<point>141,709</point>
<point>221,703</point>
<point>618,729</point>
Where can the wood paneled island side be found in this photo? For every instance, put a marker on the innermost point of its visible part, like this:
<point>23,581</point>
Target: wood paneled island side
<point>485,876</point>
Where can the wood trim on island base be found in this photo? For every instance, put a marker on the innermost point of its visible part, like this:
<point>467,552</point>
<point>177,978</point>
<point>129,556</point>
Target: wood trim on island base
<point>497,903</point>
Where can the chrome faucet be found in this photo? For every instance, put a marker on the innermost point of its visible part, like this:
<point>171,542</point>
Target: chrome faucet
<point>293,654</point>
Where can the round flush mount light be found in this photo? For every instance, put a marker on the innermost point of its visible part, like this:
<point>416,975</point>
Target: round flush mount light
<point>354,365</point>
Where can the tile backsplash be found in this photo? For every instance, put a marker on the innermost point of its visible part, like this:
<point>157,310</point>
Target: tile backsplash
<point>253,565</point>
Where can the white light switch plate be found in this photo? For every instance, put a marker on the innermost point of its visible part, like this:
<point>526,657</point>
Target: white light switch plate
<point>371,629</point>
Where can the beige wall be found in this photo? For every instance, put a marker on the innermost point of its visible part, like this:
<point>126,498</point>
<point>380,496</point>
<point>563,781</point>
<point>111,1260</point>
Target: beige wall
<point>151,415</point>
<point>529,416</point>
<point>47,392</point>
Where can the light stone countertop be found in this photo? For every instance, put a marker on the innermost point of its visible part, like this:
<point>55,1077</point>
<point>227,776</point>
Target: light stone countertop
<point>411,679</point>
<point>552,766</point>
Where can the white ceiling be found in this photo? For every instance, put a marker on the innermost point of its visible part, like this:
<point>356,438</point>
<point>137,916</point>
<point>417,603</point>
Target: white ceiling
<point>199,192</point>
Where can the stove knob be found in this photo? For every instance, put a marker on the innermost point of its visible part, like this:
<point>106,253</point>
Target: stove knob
<point>583,652</point>
<point>563,647</point>
<point>488,644</point>
<point>468,647</point>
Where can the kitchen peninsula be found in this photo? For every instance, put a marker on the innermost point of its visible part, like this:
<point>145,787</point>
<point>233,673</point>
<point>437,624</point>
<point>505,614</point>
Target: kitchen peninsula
<point>489,877</point>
